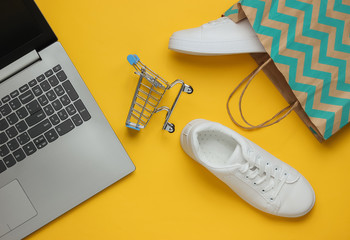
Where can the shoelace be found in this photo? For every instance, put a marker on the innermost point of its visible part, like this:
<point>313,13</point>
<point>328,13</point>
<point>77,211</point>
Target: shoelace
<point>255,168</point>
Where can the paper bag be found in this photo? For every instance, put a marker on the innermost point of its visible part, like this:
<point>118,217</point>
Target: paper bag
<point>309,44</point>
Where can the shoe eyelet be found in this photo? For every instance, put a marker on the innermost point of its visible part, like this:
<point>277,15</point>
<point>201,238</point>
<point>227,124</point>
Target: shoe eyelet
<point>276,169</point>
<point>263,190</point>
<point>255,183</point>
<point>271,199</point>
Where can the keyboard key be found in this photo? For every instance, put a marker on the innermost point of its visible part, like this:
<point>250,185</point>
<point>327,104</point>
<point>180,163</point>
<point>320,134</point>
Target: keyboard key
<point>57,105</point>
<point>57,68</point>
<point>62,114</point>
<point>59,90</point>
<point>55,119</point>
<point>2,166</point>
<point>45,85</point>
<point>51,135</point>
<point>41,78</point>
<point>77,120</point>
<point>29,148</point>
<point>71,109</point>
<point>15,104</point>
<point>34,121</point>
<point>48,73</point>
<point>82,110</point>
<point>26,97</point>
<point>43,100</point>
<point>23,138</point>
<point>22,113</point>
<point>21,126</point>
<point>51,95</point>
<point>32,83</point>
<point>37,90</point>
<point>40,142</point>
<point>48,110</point>
<point>65,127</point>
<point>24,88</point>
<point>65,100</point>
<point>53,81</point>
<point>6,99</point>
<point>39,128</point>
<point>12,118</point>
<point>5,109</point>
<point>3,138</point>
<point>35,118</point>
<point>19,155</point>
<point>3,124</point>
<point>33,106</point>
<point>14,94</point>
<point>73,95</point>
<point>13,144</point>
<point>61,76</point>
<point>4,151</point>
<point>9,161</point>
<point>11,132</point>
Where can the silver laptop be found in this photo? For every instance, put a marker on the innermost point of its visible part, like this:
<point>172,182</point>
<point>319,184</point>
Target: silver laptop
<point>56,147</point>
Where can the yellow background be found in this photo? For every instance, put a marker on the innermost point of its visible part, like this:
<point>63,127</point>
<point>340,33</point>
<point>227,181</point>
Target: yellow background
<point>170,196</point>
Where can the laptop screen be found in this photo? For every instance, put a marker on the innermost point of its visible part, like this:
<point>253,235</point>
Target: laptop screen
<point>22,29</point>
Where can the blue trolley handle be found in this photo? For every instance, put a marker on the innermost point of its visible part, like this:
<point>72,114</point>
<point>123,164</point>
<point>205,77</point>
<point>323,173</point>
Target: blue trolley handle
<point>133,59</point>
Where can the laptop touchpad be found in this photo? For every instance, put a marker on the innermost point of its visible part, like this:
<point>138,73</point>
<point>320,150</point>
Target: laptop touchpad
<point>15,207</point>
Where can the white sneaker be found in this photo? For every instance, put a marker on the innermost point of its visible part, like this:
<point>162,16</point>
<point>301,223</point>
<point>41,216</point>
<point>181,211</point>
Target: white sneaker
<point>255,175</point>
<point>219,37</point>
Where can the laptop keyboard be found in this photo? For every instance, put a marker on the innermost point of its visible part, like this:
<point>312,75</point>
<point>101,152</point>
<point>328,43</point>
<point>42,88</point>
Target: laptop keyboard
<point>36,114</point>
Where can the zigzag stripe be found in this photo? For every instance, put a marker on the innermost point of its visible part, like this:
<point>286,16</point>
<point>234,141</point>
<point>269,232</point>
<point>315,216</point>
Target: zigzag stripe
<point>292,62</point>
<point>331,52</point>
<point>283,27</point>
<point>330,61</point>
<point>318,83</point>
<point>341,16</point>
<point>307,8</point>
<point>340,7</point>
<point>340,25</point>
<point>345,119</point>
<point>342,70</point>
<point>331,40</point>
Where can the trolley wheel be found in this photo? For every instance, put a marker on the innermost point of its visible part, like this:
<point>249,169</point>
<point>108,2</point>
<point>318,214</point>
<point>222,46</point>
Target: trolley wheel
<point>188,89</point>
<point>170,127</point>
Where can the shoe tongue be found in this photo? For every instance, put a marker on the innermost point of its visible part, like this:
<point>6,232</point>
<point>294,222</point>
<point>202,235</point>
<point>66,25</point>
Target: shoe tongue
<point>237,156</point>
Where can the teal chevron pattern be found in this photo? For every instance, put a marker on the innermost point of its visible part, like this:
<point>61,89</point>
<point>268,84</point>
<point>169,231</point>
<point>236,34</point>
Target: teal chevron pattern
<point>311,38</point>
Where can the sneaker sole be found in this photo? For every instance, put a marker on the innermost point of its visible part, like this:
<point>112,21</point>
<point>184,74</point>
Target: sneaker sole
<point>215,48</point>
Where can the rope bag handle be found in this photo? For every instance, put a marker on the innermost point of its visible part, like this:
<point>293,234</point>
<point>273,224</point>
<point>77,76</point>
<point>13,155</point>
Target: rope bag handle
<point>273,120</point>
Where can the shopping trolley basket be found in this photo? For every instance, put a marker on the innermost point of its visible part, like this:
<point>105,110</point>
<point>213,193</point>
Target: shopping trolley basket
<point>149,92</point>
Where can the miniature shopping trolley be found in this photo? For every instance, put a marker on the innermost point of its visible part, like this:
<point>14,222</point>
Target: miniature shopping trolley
<point>149,92</point>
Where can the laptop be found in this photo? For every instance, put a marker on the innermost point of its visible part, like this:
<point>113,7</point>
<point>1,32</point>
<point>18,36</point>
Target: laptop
<point>56,147</point>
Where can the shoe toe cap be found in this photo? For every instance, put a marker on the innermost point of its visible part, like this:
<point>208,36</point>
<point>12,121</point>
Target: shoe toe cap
<point>298,199</point>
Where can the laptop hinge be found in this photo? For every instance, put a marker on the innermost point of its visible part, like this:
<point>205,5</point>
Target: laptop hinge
<point>19,65</point>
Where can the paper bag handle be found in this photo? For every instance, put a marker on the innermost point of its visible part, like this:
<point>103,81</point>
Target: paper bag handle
<point>277,117</point>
